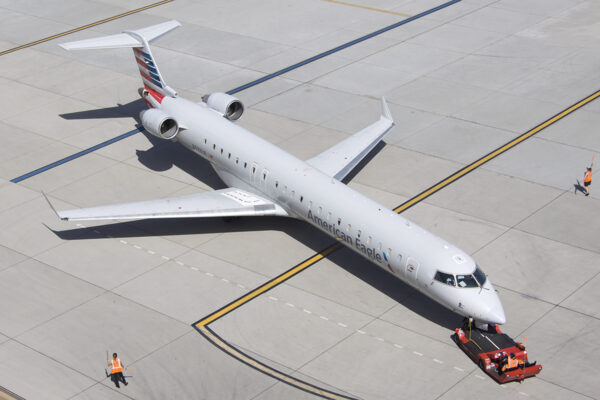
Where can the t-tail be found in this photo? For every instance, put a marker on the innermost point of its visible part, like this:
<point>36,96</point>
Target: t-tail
<point>139,41</point>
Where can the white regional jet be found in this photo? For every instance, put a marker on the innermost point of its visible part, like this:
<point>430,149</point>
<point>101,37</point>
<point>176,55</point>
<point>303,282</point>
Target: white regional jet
<point>265,180</point>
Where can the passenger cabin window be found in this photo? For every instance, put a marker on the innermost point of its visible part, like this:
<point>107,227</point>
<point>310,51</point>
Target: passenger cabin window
<point>448,279</point>
<point>301,198</point>
<point>339,221</point>
<point>358,233</point>
<point>245,165</point>
<point>466,281</point>
<point>214,146</point>
<point>292,193</point>
<point>276,184</point>
<point>480,276</point>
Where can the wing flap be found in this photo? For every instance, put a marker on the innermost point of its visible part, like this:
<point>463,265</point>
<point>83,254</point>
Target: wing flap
<point>339,160</point>
<point>230,202</point>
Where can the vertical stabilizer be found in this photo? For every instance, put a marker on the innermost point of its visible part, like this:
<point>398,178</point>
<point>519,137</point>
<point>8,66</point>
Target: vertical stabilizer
<point>138,40</point>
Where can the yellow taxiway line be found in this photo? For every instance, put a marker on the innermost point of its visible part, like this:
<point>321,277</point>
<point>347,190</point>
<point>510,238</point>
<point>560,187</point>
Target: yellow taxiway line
<point>160,3</point>
<point>420,197</point>
<point>369,8</point>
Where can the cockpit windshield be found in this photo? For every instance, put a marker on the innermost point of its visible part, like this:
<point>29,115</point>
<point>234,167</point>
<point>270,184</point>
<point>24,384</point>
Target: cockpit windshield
<point>480,276</point>
<point>477,279</point>
<point>465,281</point>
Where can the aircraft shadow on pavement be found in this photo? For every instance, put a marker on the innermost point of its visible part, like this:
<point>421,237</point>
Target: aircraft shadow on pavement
<point>296,229</point>
<point>129,110</point>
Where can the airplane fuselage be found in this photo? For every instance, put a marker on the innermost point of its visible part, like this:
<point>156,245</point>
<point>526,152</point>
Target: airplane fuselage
<point>400,247</point>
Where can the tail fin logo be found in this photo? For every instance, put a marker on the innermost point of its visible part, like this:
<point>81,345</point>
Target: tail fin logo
<point>147,67</point>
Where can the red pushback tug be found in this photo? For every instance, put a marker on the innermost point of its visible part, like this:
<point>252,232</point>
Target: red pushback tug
<point>491,348</point>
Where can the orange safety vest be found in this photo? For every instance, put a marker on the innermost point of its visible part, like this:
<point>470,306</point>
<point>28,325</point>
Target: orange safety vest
<point>588,176</point>
<point>116,366</point>
<point>510,364</point>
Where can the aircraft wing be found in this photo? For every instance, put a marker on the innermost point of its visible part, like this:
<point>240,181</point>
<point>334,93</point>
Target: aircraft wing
<point>340,159</point>
<point>229,202</point>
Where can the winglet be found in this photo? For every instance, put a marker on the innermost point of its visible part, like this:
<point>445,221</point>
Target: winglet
<point>385,111</point>
<point>52,207</point>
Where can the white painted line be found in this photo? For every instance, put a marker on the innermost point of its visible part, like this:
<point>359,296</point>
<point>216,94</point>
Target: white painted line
<point>398,346</point>
<point>479,376</point>
<point>122,241</point>
<point>417,353</point>
<point>180,263</point>
<point>135,246</point>
<point>194,268</point>
<point>342,325</point>
<point>273,298</point>
<point>438,361</point>
<point>165,257</point>
<point>290,305</point>
<point>461,370</point>
<point>307,311</point>
<point>361,332</point>
<point>380,339</point>
<point>208,274</point>
<point>225,280</point>
<point>325,318</point>
<point>151,252</point>
<point>524,394</point>
<point>241,286</point>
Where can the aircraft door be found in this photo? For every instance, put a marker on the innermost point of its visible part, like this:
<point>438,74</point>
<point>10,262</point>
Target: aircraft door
<point>412,269</point>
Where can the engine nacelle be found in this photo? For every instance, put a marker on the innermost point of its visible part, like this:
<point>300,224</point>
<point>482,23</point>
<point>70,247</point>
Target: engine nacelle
<point>159,124</point>
<point>226,105</point>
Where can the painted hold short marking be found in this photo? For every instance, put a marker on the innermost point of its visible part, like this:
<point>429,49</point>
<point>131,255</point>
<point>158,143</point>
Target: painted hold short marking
<point>307,311</point>
<point>438,361</point>
<point>342,325</point>
<point>417,353</point>
<point>459,369</point>
<point>273,298</point>
<point>325,318</point>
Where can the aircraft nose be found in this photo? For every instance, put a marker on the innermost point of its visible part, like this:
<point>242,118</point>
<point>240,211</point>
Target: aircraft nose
<point>495,313</point>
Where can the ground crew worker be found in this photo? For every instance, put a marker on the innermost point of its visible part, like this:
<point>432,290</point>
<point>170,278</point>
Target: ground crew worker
<point>116,372</point>
<point>511,363</point>
<point>587,180</point>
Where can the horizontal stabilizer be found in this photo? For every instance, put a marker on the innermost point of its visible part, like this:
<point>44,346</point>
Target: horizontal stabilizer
<point>125,39</point>
<point>341,159</point>
<point>230,202</point>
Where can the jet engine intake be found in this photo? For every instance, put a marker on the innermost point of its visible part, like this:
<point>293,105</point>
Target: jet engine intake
<point>159,124</point>
<point>226,105</point>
